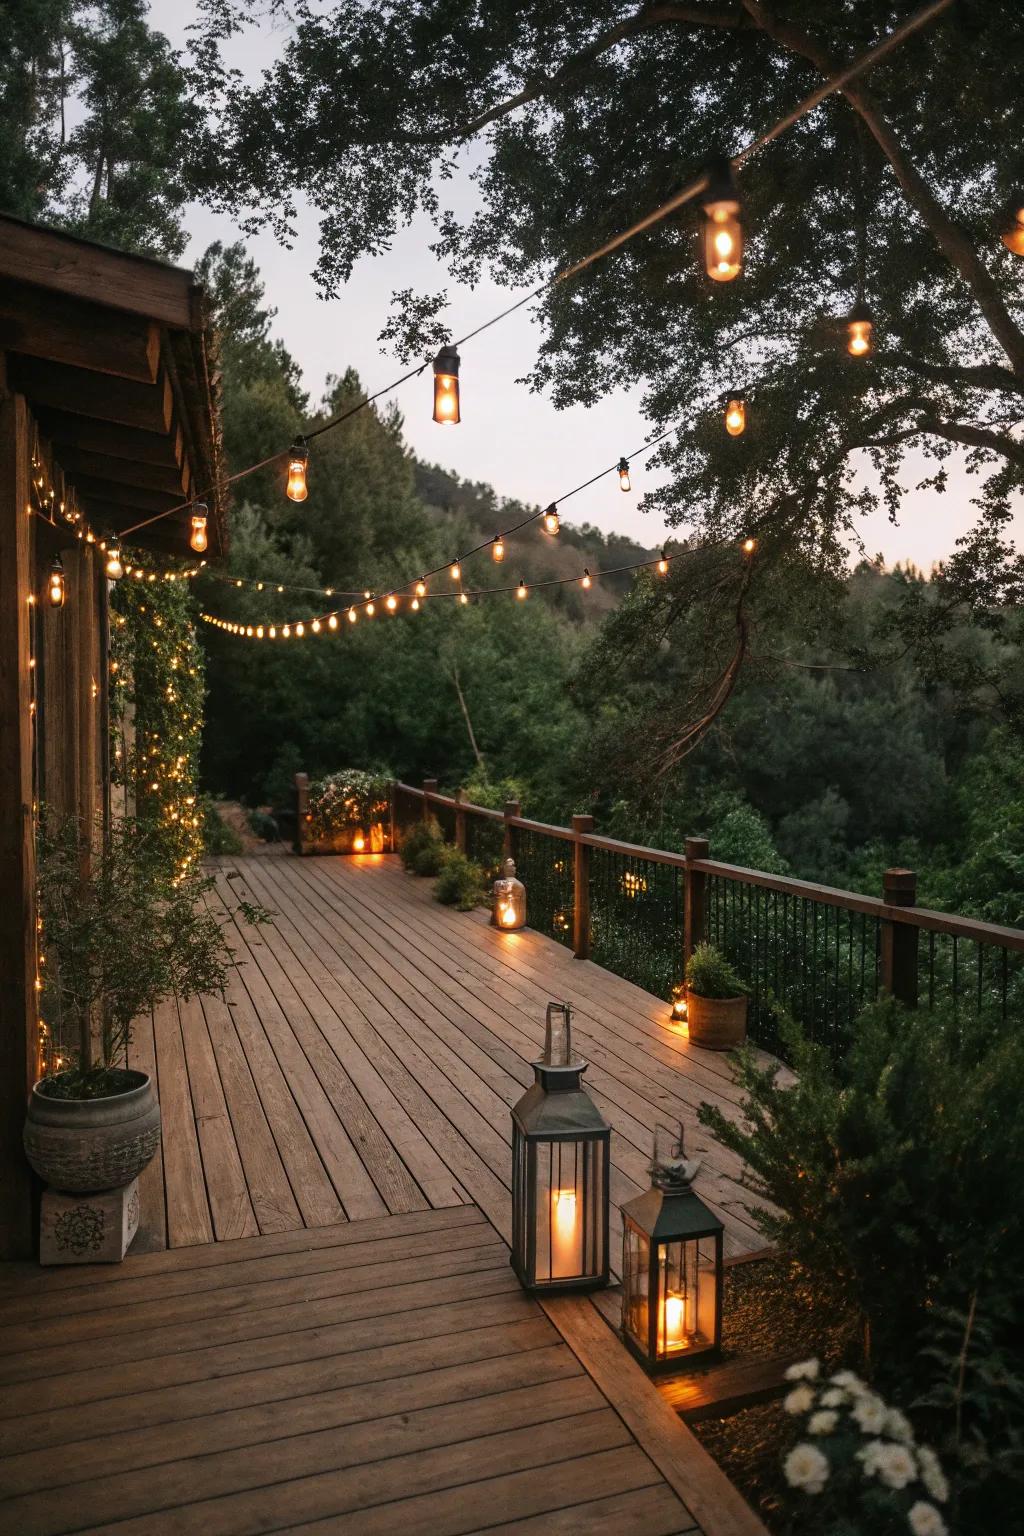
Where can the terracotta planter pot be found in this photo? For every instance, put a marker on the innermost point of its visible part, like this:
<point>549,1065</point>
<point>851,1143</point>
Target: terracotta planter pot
<point>82,1145</point>
<point>717,1023</point>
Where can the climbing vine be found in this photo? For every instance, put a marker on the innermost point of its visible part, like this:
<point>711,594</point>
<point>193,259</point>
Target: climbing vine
<point>157,698</point>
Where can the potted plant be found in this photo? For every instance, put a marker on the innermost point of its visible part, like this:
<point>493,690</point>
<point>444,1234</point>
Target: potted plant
<point>120,930</point>
<point>716,1000</point>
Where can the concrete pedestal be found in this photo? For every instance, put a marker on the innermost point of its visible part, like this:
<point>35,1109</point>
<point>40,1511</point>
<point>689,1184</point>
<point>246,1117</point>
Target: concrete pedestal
<point>88,1229</point>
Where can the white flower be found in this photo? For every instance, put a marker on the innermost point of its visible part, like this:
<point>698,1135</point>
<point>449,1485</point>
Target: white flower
<point>835,1397</point>
<point>806,1467</point>
<point>899,1427</point>
<point>932,1474</point>
<point>869,1411</point>
<point>896,1466</point>
<point>803,1370</point>
<point>800,1400</point>
<point>848,1380</point>
<point>822,1423</point>
<point>925,1520</point>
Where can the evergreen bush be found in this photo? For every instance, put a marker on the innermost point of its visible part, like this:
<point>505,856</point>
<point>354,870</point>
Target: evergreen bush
<point>423,848</point>
<point>461,883</point>
<point>709,974</point>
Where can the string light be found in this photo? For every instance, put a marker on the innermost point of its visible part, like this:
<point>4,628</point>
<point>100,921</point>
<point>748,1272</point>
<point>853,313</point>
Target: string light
<point>663,564</point>
<point>332,622</point>
<point>197,538</point>
<point>749,545</point>
<point>521,590</point>
<point>623,471</point>
<point>455,571</point>
<point>1012,235</point>
<point>352,616</point>
<point>415,605</point>
<point>735,412</point>
<point>114,567</point>
<point>298,458</point>
<point>55,590</point>
<point>421,588</point>
<point>370,610</point>
<point>392,602</point>
<point>723,232</point>
<point>446,387</point>
<point>497,549</point>
<point>551,520</point>
<point>860,327</point>
<point>464,600</point>
<point>586,581</point>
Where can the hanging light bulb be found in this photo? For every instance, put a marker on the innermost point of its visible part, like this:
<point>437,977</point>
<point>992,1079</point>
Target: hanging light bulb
<point>446,387</point>
<point>55,589</point>
<point>421,588</point>
<point>315,626</point>
<point>332,622</point>
<point>587,581</point>
<point>735,412</point>
<point>370,610</point>
<point>352,616</point>
<point>623,467</point>
<point>749,545</point>
<point>663,564</point>
<point>860,326</point>
<point>392,602</point>
<point>723,232</point>
<point>298,458</point>
<point>1013,231</point>
<point>198,538</point>
<point>455,571</point>
<point>463,599</point>
<point>114,567</point>
<point>497,549</point>
<point>300,630</point>
<point>415,605</point>
<point>521,590</point>
<point>551,522</point>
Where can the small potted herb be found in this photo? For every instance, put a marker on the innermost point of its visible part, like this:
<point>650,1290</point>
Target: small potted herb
<point>716,1000</point>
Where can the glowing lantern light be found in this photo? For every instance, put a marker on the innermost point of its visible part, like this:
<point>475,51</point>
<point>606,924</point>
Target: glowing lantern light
<point>551,519</point>
<point>671,1266</point>
<point>332,622</point>
<point>522,590</point>
<point>623,468</point>
<point>55,589</point>
<point>735,413</point>
<point>1013,231</point>
<point>860,326</point>
<point>298,458</point>
<point>497,549</point>
<point>352,616</point>
<point>391,603</point>
<point>723,232</point>
<point>197,538</point>
<point>421,588</point>
<point>508,906</point>
<point>455,571</point>
<point>663,564</point>
<point>358,843</point>
<point>114,567</point>
<point>446,387</point>
<point>560,1172</point>
<point>749,545</point>
<point>587,580</point>
<point>370,610</point>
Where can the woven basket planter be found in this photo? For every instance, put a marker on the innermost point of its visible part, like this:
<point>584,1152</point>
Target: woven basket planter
<point>716,1023</point>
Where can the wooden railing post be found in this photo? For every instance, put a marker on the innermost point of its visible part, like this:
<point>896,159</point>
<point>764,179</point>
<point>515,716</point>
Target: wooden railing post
<point>581,888</point>
<point>512,808</point>
<point>899,940</point>
<point>392,824</point>
<point>694,897</point>
<point>301,808</point>
<point>460,823</point>
<point>429,788</point>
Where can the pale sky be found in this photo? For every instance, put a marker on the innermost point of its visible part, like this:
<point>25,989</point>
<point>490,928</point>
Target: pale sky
<point>508,437</point>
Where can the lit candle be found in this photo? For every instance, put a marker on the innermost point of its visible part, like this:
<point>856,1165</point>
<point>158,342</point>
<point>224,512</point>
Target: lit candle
<point>566,1255</point>
<point>359,842</point>
<point>677,1320</point>
<point>507,913</point>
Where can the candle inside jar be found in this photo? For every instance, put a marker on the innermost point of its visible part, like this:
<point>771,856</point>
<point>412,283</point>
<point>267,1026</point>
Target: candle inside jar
<point>565,1235</point>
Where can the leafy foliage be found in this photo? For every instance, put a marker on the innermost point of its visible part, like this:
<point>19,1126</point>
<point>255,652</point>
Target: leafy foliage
<point>351,798</point>
<point>423,849</point>
<point>709,974</point>
<point>460,882</point>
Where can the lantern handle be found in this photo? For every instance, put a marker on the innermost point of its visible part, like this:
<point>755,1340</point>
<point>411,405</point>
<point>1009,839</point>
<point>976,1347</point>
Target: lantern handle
<point>674,1172</point>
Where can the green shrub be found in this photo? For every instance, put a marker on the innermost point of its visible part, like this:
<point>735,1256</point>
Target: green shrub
<point>709,974</point>
<point>461,883</point>
<point>218,837</point>
<point>350,800</point>
<point>423,848</point>
<point>264,826</point>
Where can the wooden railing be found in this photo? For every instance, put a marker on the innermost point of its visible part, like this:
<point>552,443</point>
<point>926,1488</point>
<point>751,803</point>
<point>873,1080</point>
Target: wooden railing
<point>815,951</point>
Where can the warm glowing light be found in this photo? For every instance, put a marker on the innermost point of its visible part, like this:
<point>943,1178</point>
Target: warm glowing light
<point>114,567</point>
<point>566,1236</point>
<point>358,843</point>
<point>736,414</point>
<point>315,626</point>
<point>749,545</point>
<point>587,581</point>
<point>391,603</point>
<point>723,233</point>
<point>198,538</point>
<point>370,610</point>
<point>300,630</point>
<point>286,631</point>
<point>497,549</point>
<point>421,588</point>
<point>521,590</point>
<point>332,622</point>
<point>463,599</point>
<point>677,1321</point>
<point>55,590</point>
<point>352,616</point>
<point>1013,234</point>
<point>624,481</point>
<point>663,564</point>
<point>507,914</point>
<point>859,330</point>
<point>415,605</point>
<point>551,522</point>
<point>446,387</point>
<point>298,458</point>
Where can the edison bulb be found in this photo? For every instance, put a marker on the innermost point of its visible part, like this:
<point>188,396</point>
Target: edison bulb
<point>298,458</point>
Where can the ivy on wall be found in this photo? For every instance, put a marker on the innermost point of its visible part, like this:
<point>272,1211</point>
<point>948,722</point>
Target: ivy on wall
<point>157,698</point>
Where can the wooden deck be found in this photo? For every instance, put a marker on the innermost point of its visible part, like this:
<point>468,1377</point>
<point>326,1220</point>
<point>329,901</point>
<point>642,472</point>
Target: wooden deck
<point>367,1054</point>
<point>318,1328</point>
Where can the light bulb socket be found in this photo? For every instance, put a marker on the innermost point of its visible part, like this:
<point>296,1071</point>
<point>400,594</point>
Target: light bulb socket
<point>447,361</point>
<point>298,453</point>
<point>721,192</point>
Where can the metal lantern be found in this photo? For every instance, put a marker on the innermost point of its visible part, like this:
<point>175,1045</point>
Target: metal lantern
<point>560,1162</point>
<point>508,909</point>
<point>671,1266</point>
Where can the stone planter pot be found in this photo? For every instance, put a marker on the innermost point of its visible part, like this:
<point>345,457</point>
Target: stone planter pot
<point>82,1145</point>
<point>716,1023</point>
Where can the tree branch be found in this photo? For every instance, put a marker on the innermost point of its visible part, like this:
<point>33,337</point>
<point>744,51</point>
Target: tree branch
<point>975,437</point>
<point>983,375</point>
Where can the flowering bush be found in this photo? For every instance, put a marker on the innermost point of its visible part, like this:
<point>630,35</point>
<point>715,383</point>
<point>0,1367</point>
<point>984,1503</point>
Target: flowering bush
<point>858,1459</point>
<point>351,801</point>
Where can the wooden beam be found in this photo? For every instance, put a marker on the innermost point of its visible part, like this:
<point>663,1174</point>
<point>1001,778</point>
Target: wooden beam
<point>63,330</point>
<point>91,489</point>
<point>147,407</point>
<point>69,265</point>
<point>17,851</point>
<point>82,463</point>
<point>65,429</point>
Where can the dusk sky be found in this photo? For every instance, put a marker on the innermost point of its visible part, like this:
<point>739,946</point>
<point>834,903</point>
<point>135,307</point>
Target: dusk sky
<point>509,437</point>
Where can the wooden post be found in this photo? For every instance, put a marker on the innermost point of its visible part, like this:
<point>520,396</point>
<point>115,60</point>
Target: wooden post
<point>581,888</point>
<point>899,940</point>
<point>18,1032</point>
<point>460,823</point>
<point>301,808</point>
<point>392,834</point>
<point>512,808</point>
<point>694,897</point>
<point>429,788</point>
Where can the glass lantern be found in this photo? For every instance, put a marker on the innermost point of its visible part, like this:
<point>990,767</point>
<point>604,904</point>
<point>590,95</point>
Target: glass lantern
<point>560,1165</point>
<point>508,908</point>
<point>671,1266</point>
